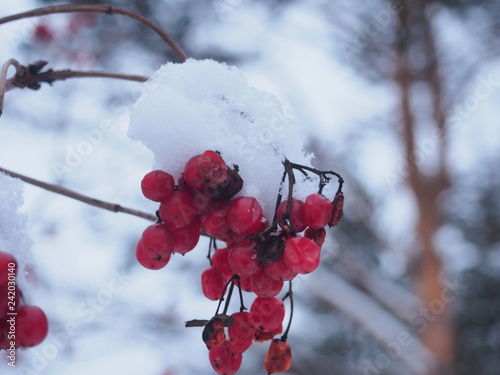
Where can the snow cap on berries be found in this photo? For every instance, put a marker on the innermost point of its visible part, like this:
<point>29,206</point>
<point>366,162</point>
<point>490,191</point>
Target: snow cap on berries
<point>195,106</point>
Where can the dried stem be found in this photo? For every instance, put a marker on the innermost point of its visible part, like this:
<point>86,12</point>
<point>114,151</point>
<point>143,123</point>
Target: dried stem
<point>3,78</point>
<point>289,295</point>
<point>100,9</point>
<point>323,175</point>
<point>51,76</point>
<point>80,197</point>
<point>222,299</point>
<point>289,167</point>
<point>31,77</point>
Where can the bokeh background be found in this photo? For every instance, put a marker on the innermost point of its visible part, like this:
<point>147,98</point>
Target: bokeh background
<point>400,97</point>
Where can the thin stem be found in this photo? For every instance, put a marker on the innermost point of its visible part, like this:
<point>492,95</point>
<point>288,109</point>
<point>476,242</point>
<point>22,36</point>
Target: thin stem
<point>100,9</point>
<point>286,215</point>
<point>80,197</point>
<point>322,175</point>
<point>224,292</point>
<point>291,182</point>
<point>228,299</point>
<point>211,244</point>
<point>51,76</point>
<point>279,197</point>
<point>289,294</point>
<point>242,304</point>
<point>3,78</point>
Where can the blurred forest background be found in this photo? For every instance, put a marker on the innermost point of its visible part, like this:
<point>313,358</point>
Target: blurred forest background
<point>400,97</point>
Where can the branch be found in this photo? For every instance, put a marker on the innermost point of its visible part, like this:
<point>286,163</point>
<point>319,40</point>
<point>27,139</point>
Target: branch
<point>80,197</point>
<point>3,78</point>
<point>100,9</point>
<point>51,76</point>
<point>31,77</point>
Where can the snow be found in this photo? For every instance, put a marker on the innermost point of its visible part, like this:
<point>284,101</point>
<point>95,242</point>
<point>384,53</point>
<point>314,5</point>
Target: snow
<point>13,228</point>
<point>188,108</point>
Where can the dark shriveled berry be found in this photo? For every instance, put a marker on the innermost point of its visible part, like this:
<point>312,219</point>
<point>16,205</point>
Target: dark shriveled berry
<point>338,210</point>
<point>317,235</point>
<point>228,188</point>
<point>213,333</point>
<point>270,250</point>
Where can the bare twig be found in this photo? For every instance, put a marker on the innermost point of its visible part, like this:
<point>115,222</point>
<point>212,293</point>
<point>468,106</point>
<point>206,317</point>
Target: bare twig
<point>80,197</point>
<point>51,76</point>
<point>100,9</point>
<point>3,78</point>
<point>31,77</point>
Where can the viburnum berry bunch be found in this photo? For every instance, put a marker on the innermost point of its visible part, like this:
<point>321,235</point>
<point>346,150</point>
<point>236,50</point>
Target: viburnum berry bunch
<point>21,325</point>
<point>257,257</point>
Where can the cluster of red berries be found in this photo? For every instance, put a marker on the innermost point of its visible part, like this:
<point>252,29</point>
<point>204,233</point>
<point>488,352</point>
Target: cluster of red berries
<point>261,323</point>
<point>258,256</point>
<point>192,206</point>
<point>21,325</point>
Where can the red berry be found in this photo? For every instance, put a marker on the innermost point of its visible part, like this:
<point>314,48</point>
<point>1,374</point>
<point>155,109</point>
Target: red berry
<point>261,336</point>
<point>32,326</point>
<point>220,260</point>
<point>301,255</point>
<point>225,360</point>
<point>201,199</point>
<point>279,271</point>
<point>184,186</point>
<point>8,265</point>
<point>212,283</point>
<point>186,238</point>
<point>243,259</point>
<point>268,313</point>
<point>157,241</point>
<point>213,220</point>
<point>278,358</point>
<point>178,210</point>
<point>296,214</point>
<point>157,185</point>
<point>242,331</point>
<point>263,285</point>
<point>191,175</point>
<point>212,168</point>
<point>43,33</point>
<point>151,263</point>
<point>244,216</point>
<point>317,211</point>
<point>244,283</point>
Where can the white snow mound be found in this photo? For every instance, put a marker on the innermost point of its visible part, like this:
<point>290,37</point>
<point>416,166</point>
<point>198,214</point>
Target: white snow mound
<point>186,109</point>
<point>14,238</point>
